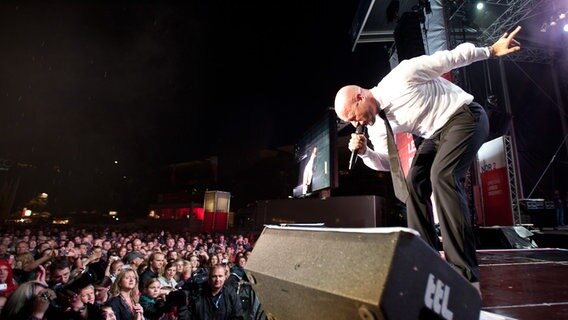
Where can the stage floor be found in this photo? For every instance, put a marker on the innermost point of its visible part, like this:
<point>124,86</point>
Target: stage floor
<point>524,284</point>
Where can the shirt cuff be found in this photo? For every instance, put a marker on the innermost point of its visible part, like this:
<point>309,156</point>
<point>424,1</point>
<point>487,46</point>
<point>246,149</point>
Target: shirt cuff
<point>488,51</point>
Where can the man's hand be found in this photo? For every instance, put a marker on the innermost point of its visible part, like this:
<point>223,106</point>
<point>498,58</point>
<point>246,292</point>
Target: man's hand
<point>506,44</point>
<point>358,142</point>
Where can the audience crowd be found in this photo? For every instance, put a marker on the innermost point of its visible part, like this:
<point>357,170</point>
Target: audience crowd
<point>71,273</point>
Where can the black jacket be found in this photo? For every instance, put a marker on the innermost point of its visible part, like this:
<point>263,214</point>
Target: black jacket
<point>224,306</point>
<point>121,310</point>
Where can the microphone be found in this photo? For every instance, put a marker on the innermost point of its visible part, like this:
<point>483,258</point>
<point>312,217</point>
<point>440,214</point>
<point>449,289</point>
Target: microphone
<point>353,159</point>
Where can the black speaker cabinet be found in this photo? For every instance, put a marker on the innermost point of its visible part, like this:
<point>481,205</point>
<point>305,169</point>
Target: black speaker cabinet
<point>364,273</point>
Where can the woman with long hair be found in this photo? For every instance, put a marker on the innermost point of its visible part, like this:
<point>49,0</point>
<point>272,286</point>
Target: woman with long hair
<point>30,299</point>
<point>7,284</point>
<point>124,301</point>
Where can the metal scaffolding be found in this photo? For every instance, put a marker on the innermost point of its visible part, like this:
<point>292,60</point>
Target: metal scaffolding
<point>512,177</point>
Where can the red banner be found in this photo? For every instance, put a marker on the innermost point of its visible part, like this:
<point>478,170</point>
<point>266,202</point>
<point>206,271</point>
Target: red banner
<point>406,150</point>
<point>496,198</point>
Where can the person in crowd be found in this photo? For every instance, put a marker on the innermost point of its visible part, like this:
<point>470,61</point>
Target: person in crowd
<point>215,301</point>
<point>122,252</point>
<point>60,272</point>
<point>172,255</point>
<point>113,269</point>
<point>76,304</point>
<point>155,266</point>
<point>153,301</point>
<point>185,272</point>
<point>414,98</point>
<point>30,300</point>
<point>107,313</point>
<point>25,264</point>
<point>134,259</point>
<point>102,291</point>
<point>124,301</point>
<point>87,294</point>
<point>7,284</point>
<point>179,268</point>
<point>168,277</point>
<point>239,268</point>
<point>213,260</point>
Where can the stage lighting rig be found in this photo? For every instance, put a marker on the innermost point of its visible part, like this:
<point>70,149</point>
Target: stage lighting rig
<point>555,20</point>
<point>480,5</point>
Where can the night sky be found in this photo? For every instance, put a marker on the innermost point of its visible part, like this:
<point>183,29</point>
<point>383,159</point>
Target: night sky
<point>87,83</point>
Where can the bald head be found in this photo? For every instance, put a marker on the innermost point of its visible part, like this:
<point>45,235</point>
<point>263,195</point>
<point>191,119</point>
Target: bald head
<point>344,99</point>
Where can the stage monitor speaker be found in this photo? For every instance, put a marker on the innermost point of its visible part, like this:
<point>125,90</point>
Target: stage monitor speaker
<point>364,273</point>
<point>408,36</point>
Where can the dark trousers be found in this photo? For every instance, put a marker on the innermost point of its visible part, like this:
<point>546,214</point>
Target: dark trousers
<point>439,168</point>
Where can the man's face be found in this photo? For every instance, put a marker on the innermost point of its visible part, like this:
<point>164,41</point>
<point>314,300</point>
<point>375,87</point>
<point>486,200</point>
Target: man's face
<point>136,245</point>
<point>356,106</point>
<point>217,278</point>
<point>22,248</point>
<point>359,112</point>
<point>61,275</point>
<point>158,262</point>
<point>87,295</point>
<point>108,313</point>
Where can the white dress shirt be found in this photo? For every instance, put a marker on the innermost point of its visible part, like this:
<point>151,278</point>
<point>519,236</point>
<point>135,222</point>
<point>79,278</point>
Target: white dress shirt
<point>417,99</point>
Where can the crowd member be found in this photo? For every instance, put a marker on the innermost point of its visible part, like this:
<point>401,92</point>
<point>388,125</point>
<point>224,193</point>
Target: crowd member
<point>155,266</point>
<point>414,98</point>
<point>213,260</point>
<point>113,269</point>
<point>75,304</point>
<point>107,313</point>
<point>185,272</point>
<point>60,272</point>
<point>179,268</point>
<point>216,301</point>
<point>87,294</point>
<point>168,277</point>
<point>124,301</point>
<point>122,253</point>
<point>153,301</point>
<point>102,291</point>
<point>30,300</point>
<point>239,268</point>
<point>25,263</point>
<point>172,255</point>
<point>7,284</point>
<point>134,259</point>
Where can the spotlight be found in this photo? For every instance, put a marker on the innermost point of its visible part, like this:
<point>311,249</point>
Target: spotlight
<point>565,28</point>
<point>479,5</point>
<point>561,16</point>
<point>553,23</point>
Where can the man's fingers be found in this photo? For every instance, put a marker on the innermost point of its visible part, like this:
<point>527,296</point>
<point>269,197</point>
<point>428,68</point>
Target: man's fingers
<point>514,33</point>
